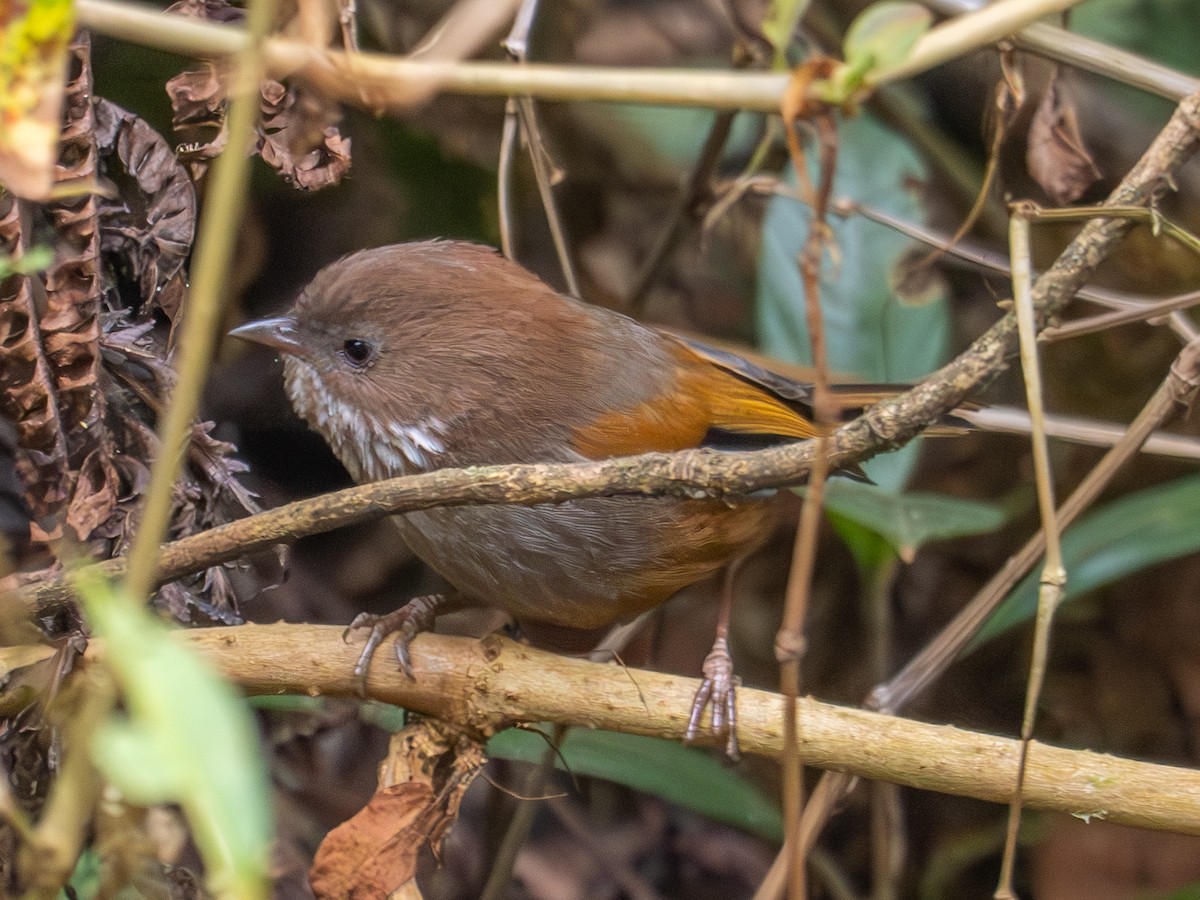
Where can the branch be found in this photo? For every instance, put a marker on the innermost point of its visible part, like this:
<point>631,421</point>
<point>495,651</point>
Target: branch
<point>693,472</point>
<point>486,685</point>
<point>375,80</point>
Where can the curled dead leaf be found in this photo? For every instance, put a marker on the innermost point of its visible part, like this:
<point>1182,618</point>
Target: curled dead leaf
<point>147,227</point>
<point>94,499</point>
<point>298,134</point>
<point>1056,155</point>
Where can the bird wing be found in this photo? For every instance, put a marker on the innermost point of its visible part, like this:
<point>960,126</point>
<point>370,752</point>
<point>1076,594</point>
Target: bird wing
<point>711,394</point>
<point>852,398</point>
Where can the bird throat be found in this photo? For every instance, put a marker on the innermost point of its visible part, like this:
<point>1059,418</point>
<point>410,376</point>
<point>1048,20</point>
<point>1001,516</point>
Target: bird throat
<point>371,449</point>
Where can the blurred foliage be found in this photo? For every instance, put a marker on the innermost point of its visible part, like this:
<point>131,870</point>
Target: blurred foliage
<point>186,738</point>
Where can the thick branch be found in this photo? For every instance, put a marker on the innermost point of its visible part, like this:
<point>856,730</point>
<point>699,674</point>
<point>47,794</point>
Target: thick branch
<point>487,684</point>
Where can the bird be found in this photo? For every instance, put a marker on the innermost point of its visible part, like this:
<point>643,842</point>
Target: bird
<point>419,356</point>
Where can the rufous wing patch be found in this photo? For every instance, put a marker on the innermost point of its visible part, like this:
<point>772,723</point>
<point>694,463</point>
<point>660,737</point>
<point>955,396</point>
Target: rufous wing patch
<point>704,396</point>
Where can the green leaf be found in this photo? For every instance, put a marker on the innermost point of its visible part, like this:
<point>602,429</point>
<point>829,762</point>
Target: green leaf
<point>681,775</point>
<point>1188,892</point>
<point>1124,537</point>
<point>289,703</point>
<point>871,551</point>
<point>139,762</point>
<point>779,24</point>
<point>909,521</point>
<point>883,35</point>
<point>85,880</point>
<point>188,738</point>
<point>870,332</point>
<point>35,259</point>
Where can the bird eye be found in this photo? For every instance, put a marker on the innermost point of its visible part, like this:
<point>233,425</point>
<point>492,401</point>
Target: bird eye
<point>357,352</point>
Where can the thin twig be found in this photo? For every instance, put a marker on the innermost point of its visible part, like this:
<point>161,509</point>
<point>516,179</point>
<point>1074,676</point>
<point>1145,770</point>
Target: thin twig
<point>1090,55</point>
<point>521,821</point>
<point>1054,574</point>
<point>546,176</point>
<point>376,80</point>
<point>790,642</point>
<point>1009,420</point>
<point>520,121</point>
<point>888,839</point>
<point>1148,310</point>
<point>214,250</point>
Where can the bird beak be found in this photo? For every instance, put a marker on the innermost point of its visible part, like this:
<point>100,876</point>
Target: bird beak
<point>279,333</point>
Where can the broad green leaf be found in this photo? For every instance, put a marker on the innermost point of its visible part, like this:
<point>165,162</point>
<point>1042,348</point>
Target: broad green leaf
<point>884,34</point>
<point>187,738</point>
<point>289,703</point>
<point>870,331</point>
<point>1163,30</point>
<point>682,775</point>
<point>779,24</point>
<point>1160,30</point>
<point>1124,537</point>
<point>909,521</point>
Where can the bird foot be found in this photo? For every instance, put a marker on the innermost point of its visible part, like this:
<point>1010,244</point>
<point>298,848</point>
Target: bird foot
<point>406,623</point>
<point>718,691</point>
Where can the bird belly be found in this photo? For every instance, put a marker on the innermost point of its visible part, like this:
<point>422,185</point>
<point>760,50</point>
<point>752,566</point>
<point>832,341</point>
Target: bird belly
<point>587,563</point>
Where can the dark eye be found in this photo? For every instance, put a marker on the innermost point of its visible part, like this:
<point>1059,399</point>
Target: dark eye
<point>357,352</point>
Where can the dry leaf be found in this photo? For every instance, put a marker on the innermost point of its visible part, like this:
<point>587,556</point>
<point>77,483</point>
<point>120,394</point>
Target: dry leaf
<point>94,500</point>
<point>150,224</point>
<point>422,782</point>
<point>297,131</point>
<point>1056,156</point>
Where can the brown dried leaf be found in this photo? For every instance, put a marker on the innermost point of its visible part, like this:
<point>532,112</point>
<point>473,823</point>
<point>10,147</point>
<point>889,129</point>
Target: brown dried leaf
<point>94,500</point>
<point>147,229</point>
<point>296,139</point>
<point>375,852</point>
<point>70,325</point>
<point>297,132</point>
<point>27,395</point>
<point>422,782</point>
<point>198,100</point>
<point>1056,155</point>
<point>14,514</point>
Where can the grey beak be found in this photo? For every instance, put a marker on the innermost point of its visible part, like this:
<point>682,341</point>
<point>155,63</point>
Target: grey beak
<point>279,333</point>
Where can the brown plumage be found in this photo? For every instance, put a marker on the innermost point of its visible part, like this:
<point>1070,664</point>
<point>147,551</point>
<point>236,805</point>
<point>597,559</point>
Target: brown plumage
<point>427,355</point>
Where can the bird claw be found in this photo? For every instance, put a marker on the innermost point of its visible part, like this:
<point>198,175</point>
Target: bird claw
<point>718,691</point>
<point>406,623</point>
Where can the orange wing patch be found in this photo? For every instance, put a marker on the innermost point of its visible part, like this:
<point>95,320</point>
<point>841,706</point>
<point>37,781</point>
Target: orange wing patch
<point>706,396</point>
